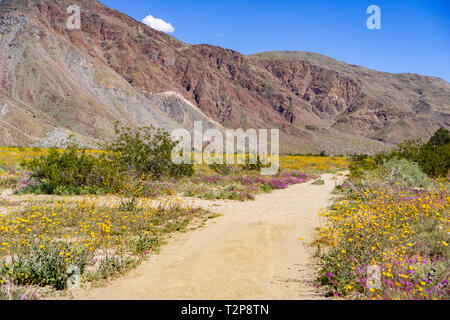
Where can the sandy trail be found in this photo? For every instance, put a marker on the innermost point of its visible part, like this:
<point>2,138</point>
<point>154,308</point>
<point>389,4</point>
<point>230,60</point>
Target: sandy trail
<point>252,251</point>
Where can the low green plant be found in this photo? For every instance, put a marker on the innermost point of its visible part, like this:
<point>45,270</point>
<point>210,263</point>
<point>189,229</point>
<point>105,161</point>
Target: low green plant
<point>71,190</point>
<point>319,182</point>
<point>45,265</point>
<point>404,173</point>
<point>222,169</point>
<point>267,188</point>
<point>145,243</point>
<point>114,266</point>
<point>41,188</point>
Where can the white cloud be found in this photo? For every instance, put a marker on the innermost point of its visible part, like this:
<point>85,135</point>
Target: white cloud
<point>158,24</point>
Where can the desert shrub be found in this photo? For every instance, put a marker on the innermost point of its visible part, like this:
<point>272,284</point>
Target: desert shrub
<point>409,150</point>
<point>433,156</point>
<point>180,170</point>
<point>78,191</point>
<point>440,138</point>
<point>361,164</point>
<point>403,173</point>
<point>394,175</point>
<point>435,160</point>
<point>70,171</point>
<point>45,188</point>
<point>145,151</point>
<point>41,188</point>
<point>46,265</point>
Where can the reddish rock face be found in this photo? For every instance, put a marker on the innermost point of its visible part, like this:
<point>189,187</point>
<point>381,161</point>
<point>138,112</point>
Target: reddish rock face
<point>291,91</point>
<point>329,92</point>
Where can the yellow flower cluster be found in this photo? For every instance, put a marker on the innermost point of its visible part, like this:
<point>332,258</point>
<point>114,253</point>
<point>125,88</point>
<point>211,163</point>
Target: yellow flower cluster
<point>90,222</point>
<point>404,234</point>
<point>315,165</point>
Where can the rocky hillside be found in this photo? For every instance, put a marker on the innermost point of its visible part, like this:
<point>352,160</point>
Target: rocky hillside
<point>55,81</point>
<point>382,106</point>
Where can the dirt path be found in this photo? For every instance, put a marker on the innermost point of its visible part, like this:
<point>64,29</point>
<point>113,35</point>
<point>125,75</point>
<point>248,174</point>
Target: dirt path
<point>252,251</point>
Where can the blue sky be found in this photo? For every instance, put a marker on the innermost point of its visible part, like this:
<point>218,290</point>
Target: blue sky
<point>415,35</point>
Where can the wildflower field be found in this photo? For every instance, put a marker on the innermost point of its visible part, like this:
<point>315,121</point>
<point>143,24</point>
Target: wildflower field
<point>100,238</point>
<point>229,182</point>
<point>52,234</point>
<point>387,235</point>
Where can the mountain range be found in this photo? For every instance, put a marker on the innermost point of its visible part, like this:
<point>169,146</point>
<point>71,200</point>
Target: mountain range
<point>56,82</point>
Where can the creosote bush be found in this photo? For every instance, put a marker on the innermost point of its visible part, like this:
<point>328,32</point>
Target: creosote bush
<point>133,155</point>
<point>146,151</point>
<point>361,164</point>
<point>72,169</point>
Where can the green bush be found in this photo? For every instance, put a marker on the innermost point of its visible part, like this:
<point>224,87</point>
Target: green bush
<point>361,164</point>
<point>145,151</point>
<point>440,138</point>
<point>72,171</point>
<point>403,173</point>
<point>145,243</point>
<point>41,188</point>
<point>435,160</point>
<point>180,170</point>
<point>46,265</point>
<point>433,157</point>
<point>394,174</point>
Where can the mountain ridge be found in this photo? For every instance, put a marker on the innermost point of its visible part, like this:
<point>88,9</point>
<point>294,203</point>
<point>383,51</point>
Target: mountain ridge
<point>293,54</point>
<point>116,68</point>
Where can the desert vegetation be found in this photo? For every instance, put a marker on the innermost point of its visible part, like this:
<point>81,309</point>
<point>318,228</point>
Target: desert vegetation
<point>97,213</point>
<point>387,234</point>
